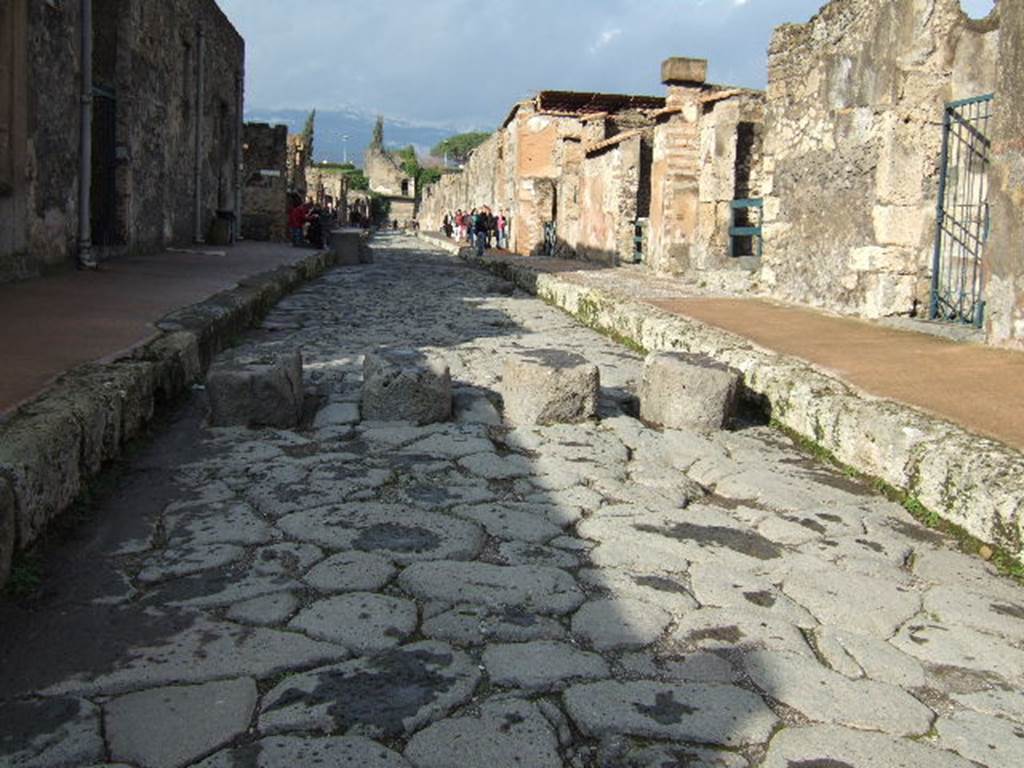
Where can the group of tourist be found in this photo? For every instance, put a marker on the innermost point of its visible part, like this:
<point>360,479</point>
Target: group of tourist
<point>478,227</point>
<point>308,223</point>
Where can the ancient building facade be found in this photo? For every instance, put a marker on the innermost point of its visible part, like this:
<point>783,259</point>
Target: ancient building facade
<point>298,163</point>
<point>388,180</point>
<point>265,180</point>
<point>328,188</point>
<point>161,168</point>
<point>853,144</point>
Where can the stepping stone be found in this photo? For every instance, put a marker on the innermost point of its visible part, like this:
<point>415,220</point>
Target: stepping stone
<point>533,588</point>
<point>823,695</point>
<point>361,621</point>
<point>390,695</point>
<point>405,385</point>
<point>685,391</point>
<point>708,714</point>
<point>608,625</point>
<point>43,732</point>
<point>256,392</point>
<point>505,734</point>
<point>541,666</point>
<point>833,745</point>
<point>549,388</point>
<point>322,752</point>
<point>171,727</point>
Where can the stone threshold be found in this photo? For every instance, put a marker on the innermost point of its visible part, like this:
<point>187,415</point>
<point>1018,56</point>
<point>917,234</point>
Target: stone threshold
<point>52,446</point>
<point>971,481</point>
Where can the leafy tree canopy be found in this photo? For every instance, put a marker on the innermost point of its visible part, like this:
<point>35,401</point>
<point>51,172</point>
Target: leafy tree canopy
<point>459,147</point>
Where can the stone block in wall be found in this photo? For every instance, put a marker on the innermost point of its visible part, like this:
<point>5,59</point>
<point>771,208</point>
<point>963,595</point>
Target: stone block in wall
<point>550,388</point>
<point>7,529</point>
<point>901,225</point>
<point>899,177</point>
<point>679,69</point>
<point>256,392</point>
<point>877,258</point>
<point>40,454</point>
<point>685,391</point>
<point>406,385</point>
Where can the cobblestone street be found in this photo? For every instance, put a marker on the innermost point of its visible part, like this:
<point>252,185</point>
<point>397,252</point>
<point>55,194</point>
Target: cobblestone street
<point>358,593</point>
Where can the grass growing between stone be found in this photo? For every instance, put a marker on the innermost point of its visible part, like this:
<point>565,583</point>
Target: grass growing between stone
<point>1004,561</point>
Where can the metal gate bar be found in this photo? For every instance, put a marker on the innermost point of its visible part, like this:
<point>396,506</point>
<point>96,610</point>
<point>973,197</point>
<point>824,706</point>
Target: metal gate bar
<point>962,215</point>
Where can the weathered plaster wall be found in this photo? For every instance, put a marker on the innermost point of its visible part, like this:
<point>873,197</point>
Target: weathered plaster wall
<point>146,60</point>
<point>265,181</point>
<point>852,143</point>
<point>609,200</point>
<point>1004,290</point>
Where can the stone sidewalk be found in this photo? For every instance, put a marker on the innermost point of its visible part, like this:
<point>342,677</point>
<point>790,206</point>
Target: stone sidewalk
<point>469,594</point>
<point>970,480</point>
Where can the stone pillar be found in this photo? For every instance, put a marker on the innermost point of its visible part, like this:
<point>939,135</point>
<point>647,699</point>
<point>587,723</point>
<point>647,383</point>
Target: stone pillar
<point>675,174</point>
<point>1004,289</point>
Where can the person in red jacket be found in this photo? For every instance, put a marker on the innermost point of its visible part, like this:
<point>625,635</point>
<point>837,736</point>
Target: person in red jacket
<point>297,220</point>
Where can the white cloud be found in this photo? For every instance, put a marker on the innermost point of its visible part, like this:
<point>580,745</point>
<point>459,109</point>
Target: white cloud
<point>605,39</point>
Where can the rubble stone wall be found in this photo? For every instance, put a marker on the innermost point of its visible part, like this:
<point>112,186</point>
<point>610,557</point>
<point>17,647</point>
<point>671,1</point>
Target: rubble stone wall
<point>144,136</point>
<point>1004,290</point>
<point>852,146</point>
<point>608,203</point>
<point>265,179</point>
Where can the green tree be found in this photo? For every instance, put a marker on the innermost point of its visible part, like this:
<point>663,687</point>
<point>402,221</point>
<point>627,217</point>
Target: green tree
<point>308,133</point>
<point>459,147</point>
<point>378,133</point>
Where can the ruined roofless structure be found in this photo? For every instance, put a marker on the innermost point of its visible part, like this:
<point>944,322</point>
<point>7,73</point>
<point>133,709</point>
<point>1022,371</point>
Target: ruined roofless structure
<point>387,178</point>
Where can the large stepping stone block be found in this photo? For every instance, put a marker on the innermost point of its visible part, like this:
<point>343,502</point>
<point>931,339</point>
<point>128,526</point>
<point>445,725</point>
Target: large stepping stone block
<point>347,245</point>
<point>557,388</point>
<point>405,385</point>
<point>685,391</point>
<point>264,392</point>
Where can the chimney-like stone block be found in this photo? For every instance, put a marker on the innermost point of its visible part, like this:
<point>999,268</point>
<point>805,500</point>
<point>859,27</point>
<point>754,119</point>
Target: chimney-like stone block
<point>679,71</point>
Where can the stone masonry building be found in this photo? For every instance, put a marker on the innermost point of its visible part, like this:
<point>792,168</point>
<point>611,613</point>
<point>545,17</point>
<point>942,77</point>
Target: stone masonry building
<point>388,180</point>
<point>158,169</point>
<point>265,173</point>
<point>822,191</point>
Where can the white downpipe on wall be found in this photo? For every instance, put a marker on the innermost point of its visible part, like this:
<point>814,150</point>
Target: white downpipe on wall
<point>86,258</point>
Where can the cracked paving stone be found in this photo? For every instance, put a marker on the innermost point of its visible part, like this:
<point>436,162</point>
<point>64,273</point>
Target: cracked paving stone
<point>491,466</point>
<point>301,751</point>
<point>451,445</point>
<point>389,695</point>
<point>937,644</point>
<point>207,650</point>
<point>1005,703</point>
<point>609,625</point>
<point>708,714</point>
<point>171,727</point>
<point>826,696</point>
<point>541,665</point>
<point>665,591</point>
<point>832,746</point>
<point>286,559</point>
<point>746,592</point>
<point>725,629</point>
<point>400,534</point>
<point>869,656</point>
<point>990,741</point>
<point>265,611</point>
<point>336,415</point>
<point>679,756</point>
<point>851,601</point>
<point>964,608</point>
<point>505,734</point>
<point>697,667</point>
<point>532,588</point>
<point>50,732</point>
<point>351,572</point>
<point>220,523</point>
<point>525,553</point>
<point>361,621</point>
<point>186,561</point>
<point>476,625</point>
<point>515,522</point>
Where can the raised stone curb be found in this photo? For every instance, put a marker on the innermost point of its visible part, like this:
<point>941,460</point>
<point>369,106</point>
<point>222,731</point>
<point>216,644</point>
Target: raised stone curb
<point>972,481</point>
<point>53,445</point>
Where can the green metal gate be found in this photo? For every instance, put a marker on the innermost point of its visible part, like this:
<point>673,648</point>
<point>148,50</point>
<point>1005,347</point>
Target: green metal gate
<point>963,213</point>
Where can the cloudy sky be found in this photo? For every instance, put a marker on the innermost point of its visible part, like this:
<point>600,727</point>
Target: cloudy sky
<point>460,64</point>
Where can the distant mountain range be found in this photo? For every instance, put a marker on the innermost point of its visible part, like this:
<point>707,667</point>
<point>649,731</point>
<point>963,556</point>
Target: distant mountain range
<point>332,125</point>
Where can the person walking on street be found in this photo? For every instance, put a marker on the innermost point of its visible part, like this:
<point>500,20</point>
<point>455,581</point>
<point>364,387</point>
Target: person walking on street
<point>483,230</point>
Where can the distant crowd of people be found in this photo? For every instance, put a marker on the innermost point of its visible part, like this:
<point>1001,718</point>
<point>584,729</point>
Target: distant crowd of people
<point>478,227</point>
<point>308,223</point>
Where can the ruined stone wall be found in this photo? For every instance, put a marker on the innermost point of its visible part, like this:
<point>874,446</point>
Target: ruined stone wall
<point>385,175</point>
<point>608,204</point>
<point>731,135</point>
<point>1004,289</point>
<point>327,186</point>
<point>145,69</point>
<point>485,180</point>
<point>265,180</point>
<point>852,144</point>
<point>298,162</point>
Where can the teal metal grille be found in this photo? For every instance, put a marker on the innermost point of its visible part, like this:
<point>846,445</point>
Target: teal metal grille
<point>962,214</point>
